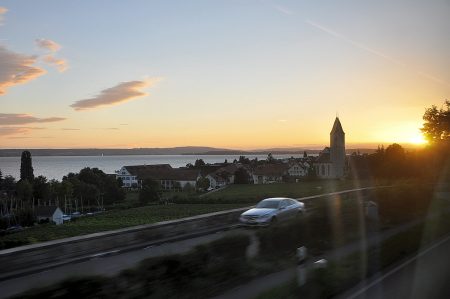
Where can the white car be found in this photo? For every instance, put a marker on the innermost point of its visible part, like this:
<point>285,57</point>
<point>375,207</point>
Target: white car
<point>272,210</point>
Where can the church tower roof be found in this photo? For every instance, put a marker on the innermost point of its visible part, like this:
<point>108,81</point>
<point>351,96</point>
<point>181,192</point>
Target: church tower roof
<point>337,127</point>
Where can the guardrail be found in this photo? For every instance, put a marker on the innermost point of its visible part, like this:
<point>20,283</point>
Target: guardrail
<point>24,258</point>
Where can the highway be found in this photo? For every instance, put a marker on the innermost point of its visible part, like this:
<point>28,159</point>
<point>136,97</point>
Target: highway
<point>111,262</point>
<point>103,263</point>
<point>426,275</point>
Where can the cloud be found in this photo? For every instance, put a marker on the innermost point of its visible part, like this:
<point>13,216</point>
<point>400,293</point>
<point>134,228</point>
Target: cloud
<point>3,10</point>
<point>48,44</point>
<point>121,93</point>
<point>21,119</point>
<point>354,43</point>
<point>70,129</point>
<point>16,69</point>
<point>60,64</point>
<point>283,10</point>
<point>8,131</point>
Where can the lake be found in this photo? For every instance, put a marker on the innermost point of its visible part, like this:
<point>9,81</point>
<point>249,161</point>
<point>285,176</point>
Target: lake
<point>55,167</point>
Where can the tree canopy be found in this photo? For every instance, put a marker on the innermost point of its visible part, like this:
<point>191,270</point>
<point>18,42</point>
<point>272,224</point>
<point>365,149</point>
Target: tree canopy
<point>26,167</point>
<point>436,127</point>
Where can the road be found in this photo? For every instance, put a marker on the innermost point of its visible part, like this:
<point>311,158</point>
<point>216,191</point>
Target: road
<point>426,275</point>
<point>112,262</point>
<point>103,264</point>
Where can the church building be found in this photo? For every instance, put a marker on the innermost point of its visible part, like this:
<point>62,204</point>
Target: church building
<point>331,162</point>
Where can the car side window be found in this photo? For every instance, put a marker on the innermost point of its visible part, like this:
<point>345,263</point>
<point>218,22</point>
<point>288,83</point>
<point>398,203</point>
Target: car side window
<point>284,204</point>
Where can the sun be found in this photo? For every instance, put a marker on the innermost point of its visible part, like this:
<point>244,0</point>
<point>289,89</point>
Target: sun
<point>417,139</point>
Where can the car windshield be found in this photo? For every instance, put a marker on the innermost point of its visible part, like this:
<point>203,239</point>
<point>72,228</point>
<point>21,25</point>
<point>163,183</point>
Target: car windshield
<point>268,204</point>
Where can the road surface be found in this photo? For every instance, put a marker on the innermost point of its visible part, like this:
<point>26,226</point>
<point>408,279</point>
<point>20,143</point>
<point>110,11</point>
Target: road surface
<point>426,275</point>
<point>107,264</point>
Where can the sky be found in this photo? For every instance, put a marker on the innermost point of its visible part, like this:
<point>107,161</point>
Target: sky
<point>231,74</point>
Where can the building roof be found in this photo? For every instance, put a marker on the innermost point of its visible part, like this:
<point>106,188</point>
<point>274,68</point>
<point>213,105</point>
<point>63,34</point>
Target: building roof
<point>337,127</point>
<point>45,211</point>
<point>162,172</point>
<point>271,169</point>
<point>324,158</point>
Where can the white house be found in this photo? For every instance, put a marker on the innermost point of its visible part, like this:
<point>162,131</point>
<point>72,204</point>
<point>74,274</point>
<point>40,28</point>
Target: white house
<point>50,213</point>
<point>297,170</point>
<point>169,178</point>
<point>270,173</point>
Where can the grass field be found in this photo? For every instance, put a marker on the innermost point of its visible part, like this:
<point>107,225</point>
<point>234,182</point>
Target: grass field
<point>109,220</point>
<point>254,193</point>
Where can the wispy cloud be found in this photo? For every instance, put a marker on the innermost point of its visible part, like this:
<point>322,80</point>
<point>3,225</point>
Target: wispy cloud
<point>48,44</point>
<point>109,129</point>
<point>7,119</point>
<point>283,9</point>
<point>121,93</point>
<point>53,47</point>
<point>16,69</point>
<point>3,10</point>
<point>374,51</point>
<point>60,64</point>
<point>70,129</point>
<point>354,43</point>
<point>8,131</point>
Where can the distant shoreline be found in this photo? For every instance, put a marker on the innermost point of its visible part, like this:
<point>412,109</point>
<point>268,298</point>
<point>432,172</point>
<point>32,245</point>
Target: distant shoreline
<point>188,151</point>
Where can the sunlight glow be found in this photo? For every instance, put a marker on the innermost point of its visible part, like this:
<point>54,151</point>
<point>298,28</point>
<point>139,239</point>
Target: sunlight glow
<point>418,139</point>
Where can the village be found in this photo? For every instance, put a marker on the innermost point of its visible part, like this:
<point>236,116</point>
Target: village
<point>331,163</point>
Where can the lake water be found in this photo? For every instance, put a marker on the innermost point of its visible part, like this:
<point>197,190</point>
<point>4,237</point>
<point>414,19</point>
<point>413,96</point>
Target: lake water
<point>55,167</point>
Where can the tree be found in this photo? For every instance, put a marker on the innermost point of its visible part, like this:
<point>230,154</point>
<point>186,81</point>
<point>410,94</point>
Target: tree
<point>436,127</point>
<point>270,158</point>
<point>1,180</point>
<point>244,160</point>
<point>9,184</point>
<point>26,167</point>
<point>150,191</point>
<point>199,163</point>
<point>203,184</point>
<point>24,190</point>
<point>241,176</point>
<point>41,189</point>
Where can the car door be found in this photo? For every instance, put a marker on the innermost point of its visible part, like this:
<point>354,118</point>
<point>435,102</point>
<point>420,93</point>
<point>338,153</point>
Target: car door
<point>291,210</point>
<point>283,211</point>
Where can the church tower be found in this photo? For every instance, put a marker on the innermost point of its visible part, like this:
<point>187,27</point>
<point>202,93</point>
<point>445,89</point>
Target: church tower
<point>337,149</point>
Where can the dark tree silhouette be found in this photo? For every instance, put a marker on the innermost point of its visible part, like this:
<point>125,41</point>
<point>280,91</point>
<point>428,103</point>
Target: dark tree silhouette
<point>199,163</point>
<point>241,176</point>
<point>150,192</point>
<point>436,127</point>
<point>26,167</point>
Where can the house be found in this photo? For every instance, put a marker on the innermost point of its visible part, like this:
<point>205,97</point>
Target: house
<point>49,213</point>
<point>297,169</point>
<point>226,175</point>
<point>270,173</point>
<point>169,178</point>
<point>331,162</point>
